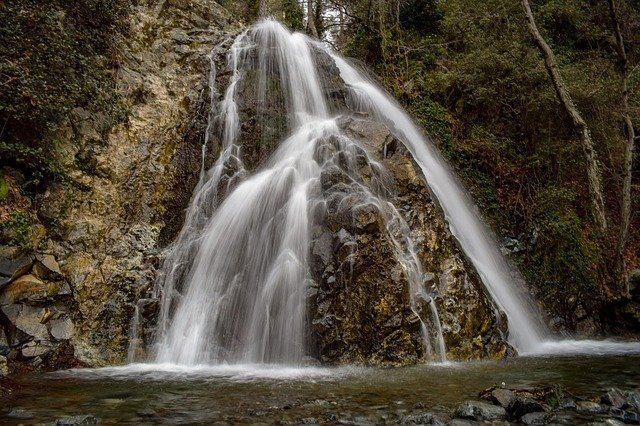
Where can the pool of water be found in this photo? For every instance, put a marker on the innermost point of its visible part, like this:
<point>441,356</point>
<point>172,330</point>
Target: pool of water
<point>156,394</point>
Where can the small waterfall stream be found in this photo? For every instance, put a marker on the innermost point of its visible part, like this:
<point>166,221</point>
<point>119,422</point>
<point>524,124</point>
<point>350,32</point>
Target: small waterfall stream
<point>234,283</point>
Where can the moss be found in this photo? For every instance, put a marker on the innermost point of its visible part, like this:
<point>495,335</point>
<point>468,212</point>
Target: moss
<point>18,230</point>
<point>4,189</point>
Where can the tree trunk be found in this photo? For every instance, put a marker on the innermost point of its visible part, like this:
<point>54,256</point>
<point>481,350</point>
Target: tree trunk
<point>311,24</point>
<point>262,9</point>
<point>625,199</point>
<point>593,170</point>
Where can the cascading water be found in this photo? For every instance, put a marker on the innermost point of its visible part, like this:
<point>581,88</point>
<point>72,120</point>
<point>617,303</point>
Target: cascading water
<point>234,282</point>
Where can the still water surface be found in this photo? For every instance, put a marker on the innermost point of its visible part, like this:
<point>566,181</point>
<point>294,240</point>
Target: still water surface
<point>167,394</point>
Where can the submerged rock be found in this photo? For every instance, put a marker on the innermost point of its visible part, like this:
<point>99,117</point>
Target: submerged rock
<point>87,419</point>
<point>478,410</point>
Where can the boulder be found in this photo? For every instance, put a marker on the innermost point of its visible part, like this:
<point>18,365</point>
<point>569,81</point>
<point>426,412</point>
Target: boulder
<point>502,397</point>
<point>87,419</point>
<point>35,349</point>
<point>422,419</point>
<point>61,329</point>
<point>615,398</point>
<point>479,411</point>
<point>12,265</point>
<point>521,405</point>
<point>27,319</point>
<point>534,418</point>
<point>29,288</point>
<point>590,407</point>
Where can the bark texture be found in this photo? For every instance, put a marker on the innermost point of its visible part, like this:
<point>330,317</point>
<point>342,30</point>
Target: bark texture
<point>593,169</point>
<point>625,199</point>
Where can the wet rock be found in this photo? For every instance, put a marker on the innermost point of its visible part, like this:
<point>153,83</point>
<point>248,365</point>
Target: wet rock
<point>21,413</point>
<point>460,422</point>
<point>590,407</point>
<point>503,397</point>
<point>535,418</point>
<point>633,401</point>
<point>87,419</point>
<point>521,405</point>
<point>614,398</point>
<point>422,419</point>
<point>567,404</point>
<point>625,416</point>
<point>478,410</point>
<point>147,412</point>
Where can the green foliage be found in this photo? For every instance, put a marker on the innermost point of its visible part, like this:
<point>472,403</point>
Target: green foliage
<point>56,56</point>
<point>4,189</point>
<point>555,396</point>
<point>19,229</point>
<point>564,265</point>
<point>293,15</point>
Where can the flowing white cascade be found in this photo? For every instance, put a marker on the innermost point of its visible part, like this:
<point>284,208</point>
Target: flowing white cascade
<point>527,331</point>
<point>234,283</point>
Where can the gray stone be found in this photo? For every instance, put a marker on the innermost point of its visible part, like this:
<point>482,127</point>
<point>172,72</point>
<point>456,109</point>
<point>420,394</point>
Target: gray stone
<point>633,401</point>
<point>503,397</point>
<point>590,407</point>
<point>4,368</point>
<point>21,413</point>
<point>422,419</point>
<point>35,349</point>
<point>567,404</point>
<point>62,329</point>
<point>49,262</point>
<point>535,418</point>
<point>181,37</point>
<point>13,265</point>
<point>478,410</point>
<point>521,405</point>
<point>27,319</point>
<point>87,419</point>
<point>614,398</point>
<point>460,422</point>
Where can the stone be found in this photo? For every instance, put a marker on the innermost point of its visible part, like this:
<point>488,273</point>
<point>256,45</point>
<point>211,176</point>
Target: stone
<point>422,419</point>
<point>590,407</point>
<point>21,413</point>
<point>503,397</point>
<point>567,404</point>
<point>4,368</point>
<point>633,401</point>
<point>460,422</point>
<point>35,349</point>
<point>478,410</point>
<point>535,418</point>
<point>614,398</point>
<point>625,416</point>
<point>62,329</point>
<point>27,319</point>
<point>521,405</point>
<point>13,265</point>
<point>28,288</point>
<point>49,262</point>
<point>87,419</point>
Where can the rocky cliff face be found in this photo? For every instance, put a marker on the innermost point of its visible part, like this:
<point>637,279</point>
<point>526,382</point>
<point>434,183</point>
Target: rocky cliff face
<point>102,235</point>
<point>71,302</point>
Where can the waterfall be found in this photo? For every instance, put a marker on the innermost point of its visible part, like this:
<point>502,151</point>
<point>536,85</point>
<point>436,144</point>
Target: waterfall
<point>234,283</point>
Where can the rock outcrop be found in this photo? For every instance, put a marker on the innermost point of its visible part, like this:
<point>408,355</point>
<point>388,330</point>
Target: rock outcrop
<point>135,181</point>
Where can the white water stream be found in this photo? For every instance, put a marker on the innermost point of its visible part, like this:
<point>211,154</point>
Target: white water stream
<point>234,282</point>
